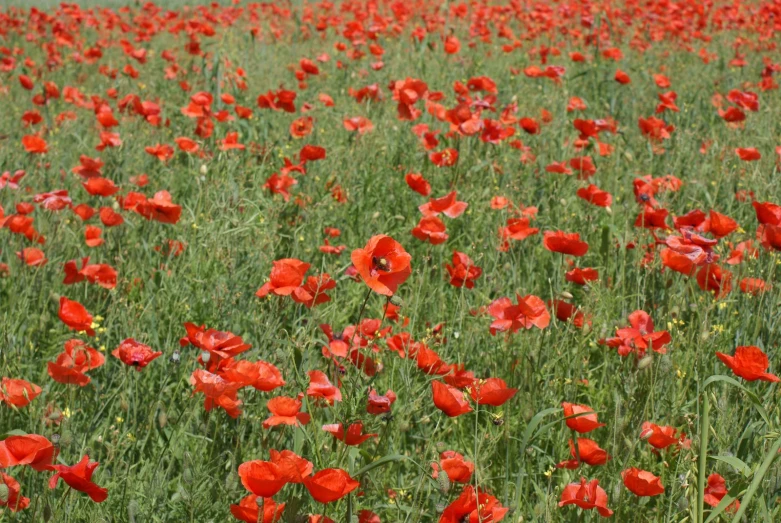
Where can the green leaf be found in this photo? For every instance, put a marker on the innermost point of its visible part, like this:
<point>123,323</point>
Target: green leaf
<point>380,462</point>
<point>736,463</point>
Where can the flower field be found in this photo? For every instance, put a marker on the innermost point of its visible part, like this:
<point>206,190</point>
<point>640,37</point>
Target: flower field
<point>390,261</point>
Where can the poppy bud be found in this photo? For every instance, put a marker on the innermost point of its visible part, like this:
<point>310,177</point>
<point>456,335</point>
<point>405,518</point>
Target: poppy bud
<point>566,295</point>
<point>162,419</point>
<point>4,493</point>
<point>47,511</point>
<point>645,362</point>
<point>187,475</point>
<point>376,215</point>
<point>444,482</point>
<point>395,300</point>
<point>205,356</point>
<point>204,169</point>
<point>66,439</point>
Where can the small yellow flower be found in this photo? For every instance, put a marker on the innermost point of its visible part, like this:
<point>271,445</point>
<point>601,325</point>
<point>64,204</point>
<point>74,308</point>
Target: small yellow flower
<point>67,412</point>
<point>119,419</point>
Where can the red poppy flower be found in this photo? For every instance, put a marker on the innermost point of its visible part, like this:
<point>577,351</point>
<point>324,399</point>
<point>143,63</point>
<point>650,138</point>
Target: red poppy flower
<point>453,464</point>
<point>32,257</point>
<point>444,158</point>
<point>12,498</point>
<point>463,272</point>
<point>715,491</point>
<point>79,477</point>
<point>529,312</point>
<point>750,363</point>
<point>30,449</point>
<point>109,218</point>
<point>84,211</point>
<point>262,478</point>
<point>301,127</point>
<point>449,399</point>
<point>661,437</point>
<point>92,236</point>
<point>285,411</point>
<point>446,205</point>
<point>722,225</point>
<point>568,312</point>
<point>330,485</point>
<point>580,418</point>
<point>74,315</point>
<point>748,154</point>
<point>383,264</point>
<point>377,404</point>
<point>101,274</point>
<point>595,196</point>
<point>491,391</point>
<point>589,451</point>
<point>430,229</point>
<point>313,291</point>
<point>135,354</point>
<point>639,337</point>
<point>248,510</point>
<point>713,278</point>
<point>218,391</point>
<point>286,275</point>
<point>754,286</point>
<point>352,435</point>
<point>417,183</point>
<point>98,186</point>
<point>160,208</point>
<point>580,276</point>
<point>34,144</point>
<point>517,229</point>
<point>358,123</point>
<point>482,507</point>
<point>584,166</point>
<point>18,393</point>
<point>565,243</point>
<point>257,374</point>
<point>622,78</point>
<point>641,482</point>
<point>586,495</point>
<point>321,387</point>
<point>280,184</point>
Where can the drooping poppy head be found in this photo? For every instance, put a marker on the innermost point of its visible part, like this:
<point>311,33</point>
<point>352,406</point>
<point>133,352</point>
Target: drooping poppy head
<point>383,264</point>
